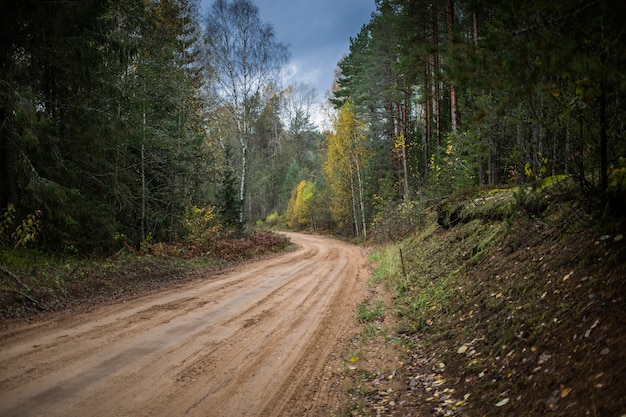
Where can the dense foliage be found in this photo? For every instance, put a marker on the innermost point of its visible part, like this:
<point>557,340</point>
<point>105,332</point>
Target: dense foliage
<point>116,124</point>
<point>459,93</point>
<point>119,118</point>
<point>101,119</point>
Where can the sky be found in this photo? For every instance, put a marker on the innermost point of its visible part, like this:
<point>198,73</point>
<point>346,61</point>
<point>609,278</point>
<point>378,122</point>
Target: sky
<point>317,33</point>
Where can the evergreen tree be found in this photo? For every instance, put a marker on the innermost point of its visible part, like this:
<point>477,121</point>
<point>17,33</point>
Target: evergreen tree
<point>228,197</point>
<point>101,127</point>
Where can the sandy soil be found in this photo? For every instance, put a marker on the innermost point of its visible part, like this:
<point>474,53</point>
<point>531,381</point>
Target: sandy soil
<point>261,339</point>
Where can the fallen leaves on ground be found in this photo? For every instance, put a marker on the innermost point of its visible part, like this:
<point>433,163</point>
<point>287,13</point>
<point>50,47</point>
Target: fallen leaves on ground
<point>533,327</point>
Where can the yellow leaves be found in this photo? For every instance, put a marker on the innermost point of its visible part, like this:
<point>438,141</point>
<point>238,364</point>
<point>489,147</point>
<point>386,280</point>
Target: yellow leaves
<point>203,224</point>
<point>527,170</point>
<point>586,91</point>
<point>345,156</point>
<point>26,232</point>
<point>300,205</point>
<point>399,142</point>
<point>6,220</point>
<point>565,392</point>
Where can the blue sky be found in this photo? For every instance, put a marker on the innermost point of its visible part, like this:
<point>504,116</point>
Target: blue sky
<point>317,32</point>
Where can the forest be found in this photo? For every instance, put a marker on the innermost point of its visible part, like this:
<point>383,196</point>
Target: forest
<point>132,122</point>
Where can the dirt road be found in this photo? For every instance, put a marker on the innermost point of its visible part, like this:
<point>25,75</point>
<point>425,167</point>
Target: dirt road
<point>262,339</point>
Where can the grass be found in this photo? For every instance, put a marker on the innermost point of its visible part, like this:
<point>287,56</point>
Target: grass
<point>520,281</point>
<point>387,263</point>
<point>366,314</point>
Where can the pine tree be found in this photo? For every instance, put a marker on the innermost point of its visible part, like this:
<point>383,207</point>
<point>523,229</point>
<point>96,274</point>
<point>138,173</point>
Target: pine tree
<point>227,197</point>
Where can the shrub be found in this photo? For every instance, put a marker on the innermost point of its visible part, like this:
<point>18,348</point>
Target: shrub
<point>203,226</point>
<point>272,219</point>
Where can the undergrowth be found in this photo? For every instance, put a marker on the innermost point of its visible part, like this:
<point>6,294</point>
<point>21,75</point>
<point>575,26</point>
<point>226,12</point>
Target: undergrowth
<point>509,303</point>
<point>32,281</point>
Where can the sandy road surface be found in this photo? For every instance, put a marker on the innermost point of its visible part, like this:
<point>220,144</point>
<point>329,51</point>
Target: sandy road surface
<point>254,341</point>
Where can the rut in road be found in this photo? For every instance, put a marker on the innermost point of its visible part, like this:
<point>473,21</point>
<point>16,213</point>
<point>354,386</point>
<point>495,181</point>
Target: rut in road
<point>254,341</point>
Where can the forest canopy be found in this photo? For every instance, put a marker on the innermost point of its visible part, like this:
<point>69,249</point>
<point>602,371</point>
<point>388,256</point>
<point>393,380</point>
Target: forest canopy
<point>116,122</point>
<point>458,94</point>
<point>119,118</point>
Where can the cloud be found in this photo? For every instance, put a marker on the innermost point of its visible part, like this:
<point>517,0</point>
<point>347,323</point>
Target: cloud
<point>299,71</point>
<point>317,32</point>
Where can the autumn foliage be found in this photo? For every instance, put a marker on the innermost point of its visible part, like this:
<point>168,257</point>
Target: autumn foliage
<point>300,208</point>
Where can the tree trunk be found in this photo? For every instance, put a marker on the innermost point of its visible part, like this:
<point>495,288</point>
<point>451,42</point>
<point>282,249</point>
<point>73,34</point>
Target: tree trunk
<point>435,75</point>
<point>568,145</point>
<point>394,158</point>
<point>427,121</point>
<point>143,173</point>
<point>476,33</point>
<point>604,178</point>
<point>405,168</point>
<point>481,163</point>
<point>361,203</point>
<point>355,215</point>
<point>242,186</point>
<point>405,132</point>
<point>453,99</point>
<point>481,168</point>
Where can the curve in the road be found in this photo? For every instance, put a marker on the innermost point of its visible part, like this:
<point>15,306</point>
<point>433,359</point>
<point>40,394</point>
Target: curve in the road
<point>254,341</point>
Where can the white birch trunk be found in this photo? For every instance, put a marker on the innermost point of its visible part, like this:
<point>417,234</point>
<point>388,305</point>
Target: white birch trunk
<point>143,173</point>
<point>361,203</point>
<point>244,169</point>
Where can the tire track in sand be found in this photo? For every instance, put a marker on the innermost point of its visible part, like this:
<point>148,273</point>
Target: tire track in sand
<point>250,342</point>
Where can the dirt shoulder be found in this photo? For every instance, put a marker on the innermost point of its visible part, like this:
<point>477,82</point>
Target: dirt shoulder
<point>518,316</point>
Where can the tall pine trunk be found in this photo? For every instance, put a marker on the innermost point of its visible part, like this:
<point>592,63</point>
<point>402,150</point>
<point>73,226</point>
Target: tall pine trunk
<point>604,178</point>
<point>435,75</point>
<point>453,99</point>
<point>143,168</point>
<point>427,119</point>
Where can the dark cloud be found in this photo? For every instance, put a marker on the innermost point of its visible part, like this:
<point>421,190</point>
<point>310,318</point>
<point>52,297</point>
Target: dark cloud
<point>317,31</point>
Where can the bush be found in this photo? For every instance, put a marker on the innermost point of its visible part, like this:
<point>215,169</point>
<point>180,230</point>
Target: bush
<point>203,226</point>
<point>272,219</point>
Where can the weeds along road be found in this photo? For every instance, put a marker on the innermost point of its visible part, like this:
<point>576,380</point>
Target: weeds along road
<point>253,341</point>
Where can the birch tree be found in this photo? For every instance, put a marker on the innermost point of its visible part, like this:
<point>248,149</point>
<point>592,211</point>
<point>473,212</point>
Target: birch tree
<point>243,58</point>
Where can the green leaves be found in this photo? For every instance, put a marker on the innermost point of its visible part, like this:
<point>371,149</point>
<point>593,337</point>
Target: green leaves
<point>25,233</point>
<point>6,221</point>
